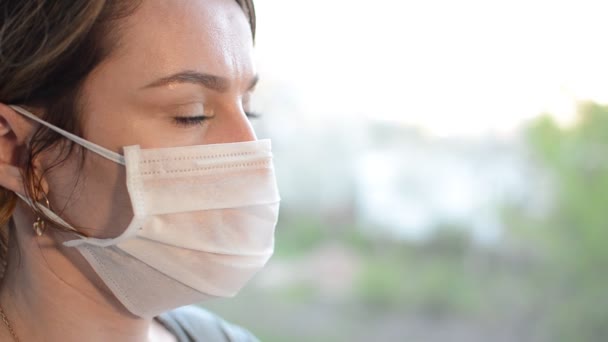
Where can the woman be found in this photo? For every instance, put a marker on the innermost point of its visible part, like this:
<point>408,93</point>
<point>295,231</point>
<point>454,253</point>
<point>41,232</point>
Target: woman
<point>131,180</point>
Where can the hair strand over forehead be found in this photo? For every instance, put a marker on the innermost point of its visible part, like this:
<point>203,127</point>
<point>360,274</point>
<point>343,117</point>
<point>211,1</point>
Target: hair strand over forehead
<point>249,9</point>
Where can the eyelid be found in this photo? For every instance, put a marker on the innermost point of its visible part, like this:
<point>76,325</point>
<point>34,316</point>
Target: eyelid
<point>193,109</point>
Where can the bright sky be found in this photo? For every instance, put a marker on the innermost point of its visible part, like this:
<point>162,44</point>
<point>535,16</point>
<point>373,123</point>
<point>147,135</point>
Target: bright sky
<point>465,67</point>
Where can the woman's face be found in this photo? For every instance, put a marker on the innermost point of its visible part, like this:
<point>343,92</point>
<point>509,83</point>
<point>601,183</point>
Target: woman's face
<point>182,74</point>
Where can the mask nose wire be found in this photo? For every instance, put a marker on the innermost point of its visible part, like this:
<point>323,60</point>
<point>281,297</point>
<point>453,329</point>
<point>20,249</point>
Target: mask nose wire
<point>102,151</point>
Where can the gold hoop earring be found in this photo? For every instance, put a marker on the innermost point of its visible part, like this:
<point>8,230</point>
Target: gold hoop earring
<point>40,225</point>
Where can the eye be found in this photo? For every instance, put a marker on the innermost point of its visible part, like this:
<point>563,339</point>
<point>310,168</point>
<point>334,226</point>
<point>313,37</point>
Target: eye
<point>189,121</point>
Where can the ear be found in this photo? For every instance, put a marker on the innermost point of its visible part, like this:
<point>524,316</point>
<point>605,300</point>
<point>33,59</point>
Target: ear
<point>15,131</point>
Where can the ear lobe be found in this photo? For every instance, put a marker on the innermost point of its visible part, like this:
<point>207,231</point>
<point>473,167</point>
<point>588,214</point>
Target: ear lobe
<point>10,179</point>
<point>14,133</point>
<point>4,126</point>
<point>11,120</point>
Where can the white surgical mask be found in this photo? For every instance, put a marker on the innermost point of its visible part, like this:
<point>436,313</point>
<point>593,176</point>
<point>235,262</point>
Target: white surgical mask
<point>203,225</point>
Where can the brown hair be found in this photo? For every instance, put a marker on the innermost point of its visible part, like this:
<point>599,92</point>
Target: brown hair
<point>47,49</point>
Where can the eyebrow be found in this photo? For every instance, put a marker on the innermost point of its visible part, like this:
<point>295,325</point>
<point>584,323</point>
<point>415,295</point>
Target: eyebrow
<point>217,83</point>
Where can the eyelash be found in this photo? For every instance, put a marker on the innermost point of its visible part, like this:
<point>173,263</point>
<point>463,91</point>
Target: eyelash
<point>189,121</point>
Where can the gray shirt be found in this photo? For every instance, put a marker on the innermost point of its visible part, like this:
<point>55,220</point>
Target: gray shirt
<point>194,324</point>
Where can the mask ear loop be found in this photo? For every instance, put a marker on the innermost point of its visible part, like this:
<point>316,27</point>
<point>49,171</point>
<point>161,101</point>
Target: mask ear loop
<point>102,151</point>
<point>48,213</point>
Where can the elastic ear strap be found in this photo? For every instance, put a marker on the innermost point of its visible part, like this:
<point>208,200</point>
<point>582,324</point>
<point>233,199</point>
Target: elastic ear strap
<point>79,239</point>
<point>47,212</point>
<point>102,151</point>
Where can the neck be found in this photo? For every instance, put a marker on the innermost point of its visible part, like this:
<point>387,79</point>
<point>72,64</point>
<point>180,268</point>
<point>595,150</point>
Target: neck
<point>49,293</point>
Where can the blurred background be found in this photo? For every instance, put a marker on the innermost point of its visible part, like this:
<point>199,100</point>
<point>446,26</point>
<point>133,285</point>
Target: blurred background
<point>443,170</point>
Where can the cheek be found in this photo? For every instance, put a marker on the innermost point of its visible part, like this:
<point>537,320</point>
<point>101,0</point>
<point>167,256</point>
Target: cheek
<point>92,197</point>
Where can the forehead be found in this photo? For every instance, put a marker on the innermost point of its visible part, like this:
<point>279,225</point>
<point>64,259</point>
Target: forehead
<point>163,37</point>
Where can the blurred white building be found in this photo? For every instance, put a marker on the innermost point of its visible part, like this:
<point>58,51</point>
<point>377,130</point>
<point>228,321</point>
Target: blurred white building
<point>408,184</point>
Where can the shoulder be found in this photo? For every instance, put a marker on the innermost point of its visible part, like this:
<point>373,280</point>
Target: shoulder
<point>192,323</point>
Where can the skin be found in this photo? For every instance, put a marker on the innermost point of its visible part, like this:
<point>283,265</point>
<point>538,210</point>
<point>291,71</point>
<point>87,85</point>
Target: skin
<point>50,293</point>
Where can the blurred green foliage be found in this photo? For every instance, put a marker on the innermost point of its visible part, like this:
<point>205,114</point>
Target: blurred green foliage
<point>574,230</point>
<point>300,233</point>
